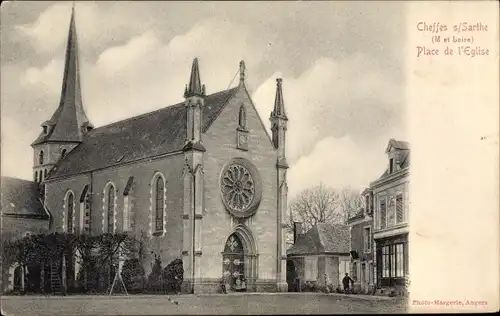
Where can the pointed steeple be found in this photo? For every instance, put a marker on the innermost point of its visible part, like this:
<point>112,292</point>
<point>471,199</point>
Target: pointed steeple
<point>194,87</point>
<point>279,103</point>
<point>69,122</point>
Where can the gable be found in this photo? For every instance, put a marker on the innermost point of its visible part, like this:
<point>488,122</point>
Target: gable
<point>228,115</point>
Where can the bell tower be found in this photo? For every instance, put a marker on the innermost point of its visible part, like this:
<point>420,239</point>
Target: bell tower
<point>279,123</point>
<point>69,123</point>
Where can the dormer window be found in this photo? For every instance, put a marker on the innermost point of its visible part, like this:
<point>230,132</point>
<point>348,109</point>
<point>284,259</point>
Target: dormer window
<point>392,166</point>
<point>45,129</point>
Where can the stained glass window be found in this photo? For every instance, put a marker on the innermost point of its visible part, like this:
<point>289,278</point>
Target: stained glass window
<point>160,203</point>
<point>88,215</point>
<point>70,213</point>
<point>111,209</point>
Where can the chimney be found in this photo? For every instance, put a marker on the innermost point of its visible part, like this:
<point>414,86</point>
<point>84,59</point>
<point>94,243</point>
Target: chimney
<point>297,231</point>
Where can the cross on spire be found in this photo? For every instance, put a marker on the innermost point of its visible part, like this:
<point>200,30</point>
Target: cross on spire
<point>242,72</point>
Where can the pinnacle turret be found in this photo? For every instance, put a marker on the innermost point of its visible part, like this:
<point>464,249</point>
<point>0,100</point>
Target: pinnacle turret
<point>194,87</point>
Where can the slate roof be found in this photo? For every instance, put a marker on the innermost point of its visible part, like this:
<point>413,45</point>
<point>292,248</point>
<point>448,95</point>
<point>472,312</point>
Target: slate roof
<point>159,132</point>
<point>21,198</point>
<point>398,144</point>
<point>358,215</point>
<point>332,238</point>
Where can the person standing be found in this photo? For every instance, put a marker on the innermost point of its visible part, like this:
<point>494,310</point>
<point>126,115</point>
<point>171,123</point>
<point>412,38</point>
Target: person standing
<point>346,281</point>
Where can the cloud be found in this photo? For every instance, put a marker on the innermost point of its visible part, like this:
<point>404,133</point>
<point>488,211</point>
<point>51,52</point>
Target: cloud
<point>118,57</point>
<point>348,98</point>
<point>47,79</point>
<point>341,116</point>
<point>49,32</point>
<point>337,162</point>
<point>17,157</point>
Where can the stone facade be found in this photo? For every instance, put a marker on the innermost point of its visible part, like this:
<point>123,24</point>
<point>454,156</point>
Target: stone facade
<point>19,227</point>
<point>167,245</point>
<point>362,266</point>
<point>391,220</point>
<point>220,142</point>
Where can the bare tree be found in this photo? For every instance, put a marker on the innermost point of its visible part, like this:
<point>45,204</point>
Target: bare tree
<point>322,204</point>
<point>351,202</point>
<point>318,204</point>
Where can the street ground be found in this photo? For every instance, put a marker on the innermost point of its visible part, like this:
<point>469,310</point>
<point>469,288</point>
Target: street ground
<point>230,304</point>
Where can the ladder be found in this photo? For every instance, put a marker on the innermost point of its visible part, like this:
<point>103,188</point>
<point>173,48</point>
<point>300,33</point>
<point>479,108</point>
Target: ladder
<point>55,279</point>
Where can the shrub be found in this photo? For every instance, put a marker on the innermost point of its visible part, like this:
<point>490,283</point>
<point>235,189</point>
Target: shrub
<point>330,287</point>
<point>133,275</point>
<point>173,275</point>
<point>154,283</point>
<point>323,289</point>
<point>339,289</point>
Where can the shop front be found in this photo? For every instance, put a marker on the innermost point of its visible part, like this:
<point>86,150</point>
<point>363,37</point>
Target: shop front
<point>392,261</point>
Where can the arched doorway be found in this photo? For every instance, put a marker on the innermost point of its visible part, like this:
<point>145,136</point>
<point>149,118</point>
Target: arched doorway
<point>233,264</point>
<point>18,275</point>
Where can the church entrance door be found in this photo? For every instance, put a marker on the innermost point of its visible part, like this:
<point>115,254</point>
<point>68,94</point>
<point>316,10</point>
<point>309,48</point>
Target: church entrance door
<point>233,264</point>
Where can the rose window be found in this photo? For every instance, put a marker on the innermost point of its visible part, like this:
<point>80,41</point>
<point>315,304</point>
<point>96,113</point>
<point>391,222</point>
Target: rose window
<point>238,188</point>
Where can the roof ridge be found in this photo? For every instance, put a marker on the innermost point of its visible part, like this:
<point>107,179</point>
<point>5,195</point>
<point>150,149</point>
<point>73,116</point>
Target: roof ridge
<point>129,119</point>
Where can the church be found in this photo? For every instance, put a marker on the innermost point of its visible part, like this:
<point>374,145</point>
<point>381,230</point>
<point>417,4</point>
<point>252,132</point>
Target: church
<point>201,180</point>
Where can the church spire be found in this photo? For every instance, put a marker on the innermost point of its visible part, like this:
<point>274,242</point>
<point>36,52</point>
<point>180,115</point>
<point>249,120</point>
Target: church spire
<point>279,103</point>
<point>194,87</point>
<point>69,122</point>
<point>71,90</point>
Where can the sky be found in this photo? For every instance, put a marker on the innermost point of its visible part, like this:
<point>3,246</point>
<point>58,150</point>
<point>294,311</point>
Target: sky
<point>341,63</point>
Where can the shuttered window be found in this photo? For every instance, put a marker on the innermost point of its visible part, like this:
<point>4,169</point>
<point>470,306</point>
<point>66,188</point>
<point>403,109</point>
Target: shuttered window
<point>399,208</point>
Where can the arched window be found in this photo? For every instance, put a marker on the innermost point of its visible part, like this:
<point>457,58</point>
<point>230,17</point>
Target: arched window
<point>36,176</point>
<point>70,212</point>
<point>110,208</point>
<point>40,157</point>
<point>63,153</point>
<point>159,203</point>
<point>88,214</point>
<point>85,219</point>
<point>242,118</point>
